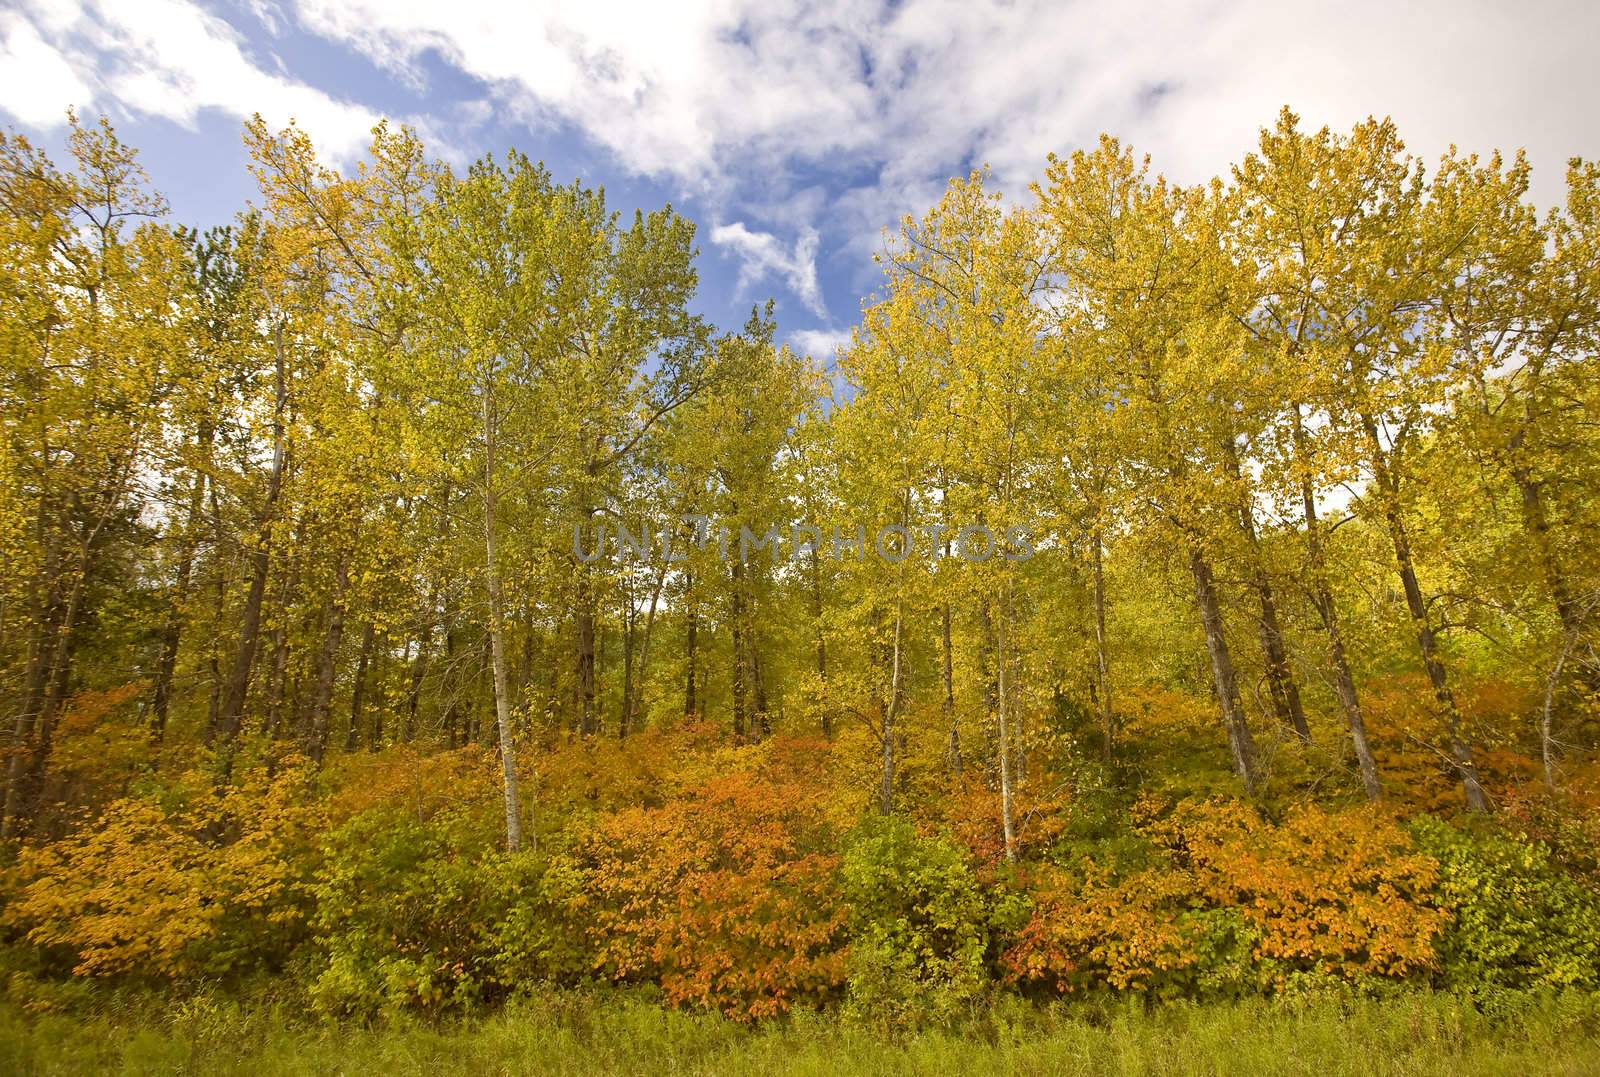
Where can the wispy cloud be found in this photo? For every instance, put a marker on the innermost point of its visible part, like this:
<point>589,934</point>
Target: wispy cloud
<point>839,116</point>
<point>747,102</point>
<point>166,58</point>
<point>762,255</point>
<point>821,344</point>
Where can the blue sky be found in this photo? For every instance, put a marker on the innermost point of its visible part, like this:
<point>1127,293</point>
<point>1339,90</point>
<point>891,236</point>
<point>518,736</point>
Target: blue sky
<point>793,134</point>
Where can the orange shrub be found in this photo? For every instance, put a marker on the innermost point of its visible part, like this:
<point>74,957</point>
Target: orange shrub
<point>1333,892</point>
<point>1227,901</point>
<point>1147,932</point>
<point>722,896</point>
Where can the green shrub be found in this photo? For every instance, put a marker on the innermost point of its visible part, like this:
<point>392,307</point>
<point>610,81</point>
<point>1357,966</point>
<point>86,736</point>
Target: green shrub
<point>431,915</point>
<point>1518,922</point>
<point>918,927</point>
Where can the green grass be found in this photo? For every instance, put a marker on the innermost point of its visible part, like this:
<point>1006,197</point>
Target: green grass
<point>581,1034</point>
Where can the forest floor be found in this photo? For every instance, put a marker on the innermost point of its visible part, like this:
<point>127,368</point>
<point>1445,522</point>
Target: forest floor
<point>575,1034</point>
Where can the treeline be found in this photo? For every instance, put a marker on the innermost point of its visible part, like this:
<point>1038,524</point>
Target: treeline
<point>1308,456</point>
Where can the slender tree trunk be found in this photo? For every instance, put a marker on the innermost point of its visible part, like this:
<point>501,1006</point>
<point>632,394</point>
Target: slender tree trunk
<point>379,677</point>
<point>1427,642</point>
<point>1322,598</point>
<point>948,672</point>
<point>821,639</point>
<point>1002,709</point>
<point>989,686</point>
<point>585,623</point>
<point>760,716</point>
<point>625,705</point>
<point>638,705</point>
<point>358,692</point>
<point>44,628</point>
<point>1536,522</point>
<point>584,617</point>
<point>1102,657</point>
<point>25,771</point>
<point>1280,675</point>
<point>328,664</point>
<point>1239,739</point>
<point>890,713</point>
<point>172,634</point>
<point>276,689</point>
<point>736,620</point>
<point>1281,685</point>
<point>502,699</point>
<point>230,717</point>
<point>1547,755</point>
<point>219,539</point>
<point>690,629</point>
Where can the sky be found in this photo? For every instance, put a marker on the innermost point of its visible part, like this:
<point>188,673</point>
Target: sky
<point>794,134</point>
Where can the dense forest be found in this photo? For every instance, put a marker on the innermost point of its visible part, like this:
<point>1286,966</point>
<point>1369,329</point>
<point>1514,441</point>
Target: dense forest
<point>1168,592</point>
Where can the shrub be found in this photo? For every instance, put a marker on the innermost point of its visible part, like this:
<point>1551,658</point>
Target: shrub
<point>1147,932</point>
<point>723,897</point>
<point>1517,921</point>
<point>918,929</point>
<point>1332,894</point>
<point>1225,902</point>
<point>430,915</point>
<point>211,883</point>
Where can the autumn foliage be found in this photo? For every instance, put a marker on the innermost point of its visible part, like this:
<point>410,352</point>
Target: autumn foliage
<point>306,677</point>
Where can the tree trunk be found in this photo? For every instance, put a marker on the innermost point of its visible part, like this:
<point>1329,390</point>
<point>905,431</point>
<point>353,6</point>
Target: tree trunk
<point>328,665</point>
<point>1102,658</point>
<point>1547,755</point>
<point>502,700</point>
<point>25,771</point>
<point>1322,598</point>
<point>1427,642</point>
<point>821,641</point>
<point>230,717</point>
<point>584,616</point>
<point>172,634</point>
<point>276,689</point>
<point>44,623</point>
<point>736,620</point>
<point>890,712</point>
<point>638,706</point>
<point>1239,740</point>
<point>1280,675</point>
<point>690,628</point>
<point>625,706</point>
<point>358,691</point>
<point>1003,703</point>
<point>950,690</point>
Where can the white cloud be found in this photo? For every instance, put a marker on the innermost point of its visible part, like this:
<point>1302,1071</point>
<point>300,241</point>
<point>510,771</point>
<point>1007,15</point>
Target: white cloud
<point>172,59</point>
<point>37,83</point>
<point>821,344</point>
<point>671,89</point>
<point>761,255</point>
<point>758,106</point>
<point>918,90</point>
<point>267,13</point>
<point>735,99</point>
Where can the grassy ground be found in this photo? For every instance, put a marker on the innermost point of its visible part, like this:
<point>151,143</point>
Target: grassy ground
<point>566,1034</point>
